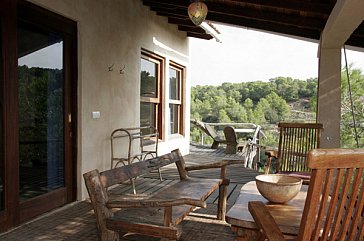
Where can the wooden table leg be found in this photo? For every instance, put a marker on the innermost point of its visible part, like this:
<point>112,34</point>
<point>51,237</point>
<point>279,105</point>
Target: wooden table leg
<point>243,234</point>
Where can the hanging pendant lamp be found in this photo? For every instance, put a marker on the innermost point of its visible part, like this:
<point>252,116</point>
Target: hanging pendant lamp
<point>197,12</point>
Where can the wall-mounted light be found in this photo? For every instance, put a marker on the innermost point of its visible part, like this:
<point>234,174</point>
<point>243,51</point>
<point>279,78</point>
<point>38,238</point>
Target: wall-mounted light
<point>197,12</point>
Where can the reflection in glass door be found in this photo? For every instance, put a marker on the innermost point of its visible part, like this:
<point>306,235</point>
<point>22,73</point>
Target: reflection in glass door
<point>41,112</point>
<point>1,133</point>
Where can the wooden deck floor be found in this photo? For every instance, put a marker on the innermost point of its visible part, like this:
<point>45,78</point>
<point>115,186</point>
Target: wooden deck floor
<point>76,221</point>
<point>238,174</point>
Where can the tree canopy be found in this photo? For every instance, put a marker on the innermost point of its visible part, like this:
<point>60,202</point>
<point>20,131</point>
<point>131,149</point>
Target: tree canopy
<point>259,102</point>
<point>279,99</point>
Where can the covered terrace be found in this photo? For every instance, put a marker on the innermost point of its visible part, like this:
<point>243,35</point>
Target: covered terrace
<point>104,43</point>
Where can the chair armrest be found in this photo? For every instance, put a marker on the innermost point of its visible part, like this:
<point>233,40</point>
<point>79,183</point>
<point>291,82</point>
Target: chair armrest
<point>265,221</point>
<point>218,164</point>
<point>122,202</point>
<point>271,153</point>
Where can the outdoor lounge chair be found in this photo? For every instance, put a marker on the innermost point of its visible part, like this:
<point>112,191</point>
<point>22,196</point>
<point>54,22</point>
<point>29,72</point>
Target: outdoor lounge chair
<point>335,200</point>
<point>232,144</point>
<point>210,131</point>
<point>295,141</point>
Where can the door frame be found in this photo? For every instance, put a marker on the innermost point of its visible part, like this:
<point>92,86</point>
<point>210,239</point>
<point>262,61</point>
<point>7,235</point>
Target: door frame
<point>16,212</point>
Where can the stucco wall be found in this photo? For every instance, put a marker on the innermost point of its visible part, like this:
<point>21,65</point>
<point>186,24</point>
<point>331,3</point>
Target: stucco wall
<point>113,32</point>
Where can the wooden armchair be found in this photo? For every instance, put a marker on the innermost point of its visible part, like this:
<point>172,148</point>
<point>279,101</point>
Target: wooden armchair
<point>232,144</point>
<point>295,141</point>
<point>335,200</point>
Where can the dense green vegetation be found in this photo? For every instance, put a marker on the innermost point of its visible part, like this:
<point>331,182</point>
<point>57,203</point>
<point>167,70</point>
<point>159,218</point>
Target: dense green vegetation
<point>267,103</point>
<point>258,102</point>
<point>356,77</point>
<point>41,106</point>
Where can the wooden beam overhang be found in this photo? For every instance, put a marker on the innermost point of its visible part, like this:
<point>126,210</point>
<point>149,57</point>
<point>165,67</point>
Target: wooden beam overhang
<point>293,5</point>
<point>301,18</point>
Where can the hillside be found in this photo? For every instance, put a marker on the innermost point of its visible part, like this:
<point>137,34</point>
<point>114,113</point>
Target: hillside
<point>280,99</point>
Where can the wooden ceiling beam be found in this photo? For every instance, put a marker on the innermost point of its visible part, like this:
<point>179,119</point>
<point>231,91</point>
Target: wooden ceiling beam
<point>292,5</point>
<point>181,22</point>
<point>196,30</point>
<point>287,19</point>
<point>355,41</point>
<point>170,14</point>
<point>201,36</point>
<point>292,17</point>
<point>296,21</point>
<point>360,30</point>
<point>268,26</point>
<point>307,6</point>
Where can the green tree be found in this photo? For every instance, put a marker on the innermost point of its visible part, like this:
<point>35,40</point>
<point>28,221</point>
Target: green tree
<point>357,93</point>
<point>287,88</point>
<point>235,111</point>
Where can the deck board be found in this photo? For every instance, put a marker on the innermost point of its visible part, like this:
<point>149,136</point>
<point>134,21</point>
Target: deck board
<point>76,221</point>
<point>237,174</point>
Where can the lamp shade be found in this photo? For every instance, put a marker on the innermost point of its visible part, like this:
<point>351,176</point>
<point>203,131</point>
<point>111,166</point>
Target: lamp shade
<point>197,12</point>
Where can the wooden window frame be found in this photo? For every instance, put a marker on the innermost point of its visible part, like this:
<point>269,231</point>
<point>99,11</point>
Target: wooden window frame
<point>181,70</point>
<point>158,100</point>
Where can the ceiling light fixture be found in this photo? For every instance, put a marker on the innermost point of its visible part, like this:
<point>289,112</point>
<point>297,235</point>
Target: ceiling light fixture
<point>197,12</point>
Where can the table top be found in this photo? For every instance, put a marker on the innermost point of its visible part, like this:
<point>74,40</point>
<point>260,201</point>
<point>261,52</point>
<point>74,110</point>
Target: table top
<point>287,216</point>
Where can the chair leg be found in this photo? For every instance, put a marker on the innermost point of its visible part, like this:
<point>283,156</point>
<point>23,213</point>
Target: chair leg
<point>167,220</point>
<point>267,165</point>
<point>221,205</point>
<point>109,235</point>
<point>132,181</point>
<point>230,149</point>
<point>160,174</point>
<point>215,145</point>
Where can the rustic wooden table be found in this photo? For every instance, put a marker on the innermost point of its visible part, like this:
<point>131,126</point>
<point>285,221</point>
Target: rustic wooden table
<point>288,215</point>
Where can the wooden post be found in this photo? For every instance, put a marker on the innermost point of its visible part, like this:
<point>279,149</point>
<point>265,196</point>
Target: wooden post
<point>181,165</point>
<point>222,196</point>
<point>167,219</point>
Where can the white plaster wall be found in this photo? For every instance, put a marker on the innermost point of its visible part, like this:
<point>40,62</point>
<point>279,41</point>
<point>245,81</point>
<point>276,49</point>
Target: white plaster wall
<point>112,32</point>
<point>329,97</point>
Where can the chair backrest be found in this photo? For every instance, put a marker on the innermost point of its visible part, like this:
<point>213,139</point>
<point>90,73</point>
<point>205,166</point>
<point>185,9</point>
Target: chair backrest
<point>335,199</point>
<point>211,131</point>
<point>206,128</point>
<point>230,135</point>
<point>295,141</point>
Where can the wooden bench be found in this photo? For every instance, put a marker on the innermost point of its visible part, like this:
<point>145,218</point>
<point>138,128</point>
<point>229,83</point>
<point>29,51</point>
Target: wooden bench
<point>157,215</point>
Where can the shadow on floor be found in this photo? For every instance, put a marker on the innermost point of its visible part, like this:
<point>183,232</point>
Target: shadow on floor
<point>76,222</point>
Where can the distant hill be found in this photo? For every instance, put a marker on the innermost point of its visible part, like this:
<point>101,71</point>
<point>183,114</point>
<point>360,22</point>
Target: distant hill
<point>280,99</point>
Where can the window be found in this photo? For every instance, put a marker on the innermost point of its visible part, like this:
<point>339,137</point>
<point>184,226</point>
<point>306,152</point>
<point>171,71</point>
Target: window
<point>151,83</point>
<point>176,76</point>
<point>152,106</point>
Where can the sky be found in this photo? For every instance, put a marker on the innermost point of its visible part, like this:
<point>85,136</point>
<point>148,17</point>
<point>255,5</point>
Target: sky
<point>48,57</point>
<point>248,55</point>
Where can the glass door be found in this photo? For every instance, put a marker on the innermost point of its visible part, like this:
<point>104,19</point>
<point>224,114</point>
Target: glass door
<point>46,91</point>
<point>41,111</point>
<point>1,131</point>
<point>38,99</point>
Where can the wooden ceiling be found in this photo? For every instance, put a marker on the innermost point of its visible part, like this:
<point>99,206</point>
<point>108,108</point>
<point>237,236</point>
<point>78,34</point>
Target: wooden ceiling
<point>300,18</point>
